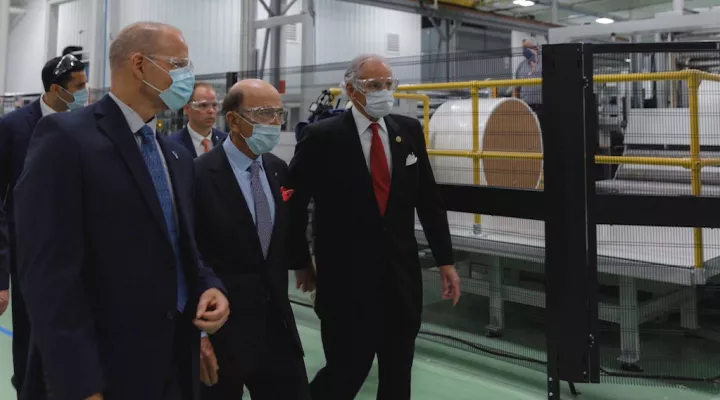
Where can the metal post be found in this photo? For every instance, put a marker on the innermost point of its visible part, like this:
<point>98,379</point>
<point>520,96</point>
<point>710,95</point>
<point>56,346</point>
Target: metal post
<point>248,49</point>
<point>570,231</point>
<point>4,38</point>
<point>307,79</point>
<point>98,45</point>
<point>277,44</point>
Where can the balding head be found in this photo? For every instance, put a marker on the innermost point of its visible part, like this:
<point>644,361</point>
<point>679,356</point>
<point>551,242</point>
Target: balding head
<point>250,102</point>
<point>141,37</point>
<point>142,58</point>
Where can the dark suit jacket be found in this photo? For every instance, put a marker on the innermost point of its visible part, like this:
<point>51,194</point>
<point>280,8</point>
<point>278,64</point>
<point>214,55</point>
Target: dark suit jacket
<point>183,137</point>
<point>95,260</point>
<point>365,262</point>
<point>228,240</point>
<point>4,252</point>
<point>16,128</point>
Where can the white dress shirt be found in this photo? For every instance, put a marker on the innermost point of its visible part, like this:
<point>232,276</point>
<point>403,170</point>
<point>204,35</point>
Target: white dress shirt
<point>46,109</point>
<point>197,140</point>
<point>365,132</point>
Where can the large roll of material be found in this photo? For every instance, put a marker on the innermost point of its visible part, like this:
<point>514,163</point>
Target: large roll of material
<point>506,124</point>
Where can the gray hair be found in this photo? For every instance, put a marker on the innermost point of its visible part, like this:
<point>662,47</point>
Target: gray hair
<point>353,70</point>
<point>140,37</point>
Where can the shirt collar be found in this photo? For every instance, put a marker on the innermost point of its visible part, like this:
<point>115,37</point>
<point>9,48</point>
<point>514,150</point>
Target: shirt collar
<point>237,158</point>
<point>363,123</point>
<point>134,121</point>
<point>44,108</point>
<point>196,137</point>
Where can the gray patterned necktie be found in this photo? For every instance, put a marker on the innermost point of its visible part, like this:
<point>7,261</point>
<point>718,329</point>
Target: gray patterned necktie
<point>263,218</point>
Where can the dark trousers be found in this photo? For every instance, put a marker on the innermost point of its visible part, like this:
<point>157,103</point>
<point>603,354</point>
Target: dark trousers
<point>20,325</point>
<point>350,349</point>
<point>178,386</point>
<point>278,373</point>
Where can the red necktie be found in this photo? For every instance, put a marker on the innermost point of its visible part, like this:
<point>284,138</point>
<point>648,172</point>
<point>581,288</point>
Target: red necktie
<point>379,169</point>
<point>206,145</point>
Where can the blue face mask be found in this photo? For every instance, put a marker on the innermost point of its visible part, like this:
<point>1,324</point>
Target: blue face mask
<point>80,98</point>
<point>181,89</point>
<point>264,138</point>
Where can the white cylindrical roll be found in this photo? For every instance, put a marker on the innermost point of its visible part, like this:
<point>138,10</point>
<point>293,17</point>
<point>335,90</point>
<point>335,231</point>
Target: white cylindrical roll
<point>505,124</point>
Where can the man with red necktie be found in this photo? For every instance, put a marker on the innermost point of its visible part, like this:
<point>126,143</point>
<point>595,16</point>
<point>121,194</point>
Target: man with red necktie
<point>368,173</point>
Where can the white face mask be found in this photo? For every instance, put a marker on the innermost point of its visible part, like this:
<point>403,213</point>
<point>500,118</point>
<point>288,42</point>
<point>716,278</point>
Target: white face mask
<point>379,104</point>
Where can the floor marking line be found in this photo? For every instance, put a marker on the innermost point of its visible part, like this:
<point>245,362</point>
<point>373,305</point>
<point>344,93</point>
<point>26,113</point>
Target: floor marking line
<point>5,332</point>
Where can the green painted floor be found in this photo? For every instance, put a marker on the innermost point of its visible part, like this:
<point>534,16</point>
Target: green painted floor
<point>440,372</point>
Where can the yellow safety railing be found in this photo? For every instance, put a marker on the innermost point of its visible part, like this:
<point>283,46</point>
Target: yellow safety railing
<point>694,162</point>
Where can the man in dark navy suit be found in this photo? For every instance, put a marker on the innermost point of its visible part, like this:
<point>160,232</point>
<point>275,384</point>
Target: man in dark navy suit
<point>241,224</point>
<point>199,136</point>
<point>112,277</point>
<point>64,81</point>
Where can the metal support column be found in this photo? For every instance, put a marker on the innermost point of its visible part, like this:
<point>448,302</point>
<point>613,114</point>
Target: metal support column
<point>277,44</point>
<point>4,38</point>
<point>248,45</point>
<point>98,45</point>
<point>446,31</point>
<point>569,137</point>
<point>307,77</point>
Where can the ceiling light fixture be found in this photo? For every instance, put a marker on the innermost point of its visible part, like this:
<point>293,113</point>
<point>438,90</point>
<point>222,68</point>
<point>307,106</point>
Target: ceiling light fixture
<point>524,3</point>
<point>604,20</point>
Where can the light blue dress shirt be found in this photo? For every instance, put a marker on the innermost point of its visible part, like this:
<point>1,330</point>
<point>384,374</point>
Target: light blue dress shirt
<point>240,164</point>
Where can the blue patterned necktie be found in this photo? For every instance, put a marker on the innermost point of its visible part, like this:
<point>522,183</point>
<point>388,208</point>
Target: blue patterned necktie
<point>162,188</point>
<point>263,218</point>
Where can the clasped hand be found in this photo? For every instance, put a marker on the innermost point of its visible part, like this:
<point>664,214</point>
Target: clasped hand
<point>213,311</point>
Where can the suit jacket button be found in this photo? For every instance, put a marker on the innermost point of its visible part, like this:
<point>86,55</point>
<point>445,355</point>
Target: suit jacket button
<point>170,315</point>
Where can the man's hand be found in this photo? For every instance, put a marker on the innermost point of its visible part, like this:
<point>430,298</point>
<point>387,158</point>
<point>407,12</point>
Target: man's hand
<point>96,396</point>
<point>208,363</point>
<point>305,279</point>
<point>450,283</point>
<point>212,311</point>
<point>4,300</point>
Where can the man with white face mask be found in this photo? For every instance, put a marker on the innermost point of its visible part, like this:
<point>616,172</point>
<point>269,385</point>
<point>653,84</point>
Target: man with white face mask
<point>368,172</point>
<point>241,228</point>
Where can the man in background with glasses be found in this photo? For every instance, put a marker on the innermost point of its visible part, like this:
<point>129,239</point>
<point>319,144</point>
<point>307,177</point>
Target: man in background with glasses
<point>368,172</point>
<point>115,288</point>
<point>242,218</point>
<point>199,135</point>
<point>64,82</point>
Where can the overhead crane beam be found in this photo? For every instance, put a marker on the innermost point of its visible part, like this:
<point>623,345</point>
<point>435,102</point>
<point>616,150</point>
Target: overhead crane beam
<point>461,14</point>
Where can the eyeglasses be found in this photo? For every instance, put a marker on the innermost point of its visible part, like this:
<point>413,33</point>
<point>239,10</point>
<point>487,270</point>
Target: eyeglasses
<point>371,85</point>
<point>68,62</point>
<point>204,105</point>
<point>175,62</point>
<point>267,115</point>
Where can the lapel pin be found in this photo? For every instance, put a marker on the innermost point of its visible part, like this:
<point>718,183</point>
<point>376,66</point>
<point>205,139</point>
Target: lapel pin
<point>175,154</point>
<point>398,139</point>
<point>276,174</point>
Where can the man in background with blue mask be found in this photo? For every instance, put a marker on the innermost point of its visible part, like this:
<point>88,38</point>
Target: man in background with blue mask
<point>368,172</point>
<point>63,79</point>
<point>115,287</point>
<point>242,218</point>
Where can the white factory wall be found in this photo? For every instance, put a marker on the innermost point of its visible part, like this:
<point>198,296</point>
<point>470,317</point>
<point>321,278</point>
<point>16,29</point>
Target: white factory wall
<point>344,30</point>
<point>212,29</point>
<point>26,50</point>
<point>75,23</point>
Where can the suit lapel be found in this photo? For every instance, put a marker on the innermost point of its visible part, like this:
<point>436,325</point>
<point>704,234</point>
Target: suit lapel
<point>356,156</point>
<point>272,176</point>
<point>397,150</point>
<point>187,141</point>
<point>172,159</point>
<point>34,115</point>
<point>113,124</point>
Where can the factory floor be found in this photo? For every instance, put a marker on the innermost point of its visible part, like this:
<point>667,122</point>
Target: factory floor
<point>440,373</point>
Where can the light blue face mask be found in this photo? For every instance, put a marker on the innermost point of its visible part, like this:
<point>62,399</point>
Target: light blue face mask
<point>264,138</point>
<point>181,89</point>
<point>80,98</point>
<point>379,104</point>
